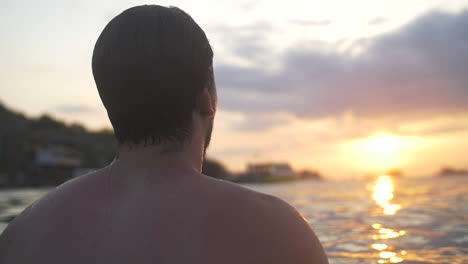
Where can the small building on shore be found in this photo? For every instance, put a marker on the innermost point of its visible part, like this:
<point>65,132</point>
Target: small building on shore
<point>310,175</point>
<point>56,164</point>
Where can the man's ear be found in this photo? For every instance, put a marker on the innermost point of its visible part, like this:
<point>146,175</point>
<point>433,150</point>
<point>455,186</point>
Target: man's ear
<point>205,103</point>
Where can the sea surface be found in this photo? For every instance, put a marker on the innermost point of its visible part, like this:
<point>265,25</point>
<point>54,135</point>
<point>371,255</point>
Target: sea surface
<point>382,220</point>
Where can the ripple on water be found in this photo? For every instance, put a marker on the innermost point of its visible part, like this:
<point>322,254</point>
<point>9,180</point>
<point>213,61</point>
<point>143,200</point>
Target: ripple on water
<point>428,225</point>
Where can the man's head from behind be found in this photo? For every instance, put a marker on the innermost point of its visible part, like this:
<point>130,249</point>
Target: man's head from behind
<point>151,64</point>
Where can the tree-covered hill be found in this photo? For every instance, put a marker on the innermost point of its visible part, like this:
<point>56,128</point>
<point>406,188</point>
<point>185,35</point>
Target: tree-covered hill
<point>27,144</point>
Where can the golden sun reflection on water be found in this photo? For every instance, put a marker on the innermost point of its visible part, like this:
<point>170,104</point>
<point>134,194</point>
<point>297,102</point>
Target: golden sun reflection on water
<point>387,233</point>
<point>385,255</point>
<point>382,193</point>
<point>379,247</point>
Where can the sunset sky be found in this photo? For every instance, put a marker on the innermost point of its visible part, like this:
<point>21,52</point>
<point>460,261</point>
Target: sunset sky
<point>344,87</point>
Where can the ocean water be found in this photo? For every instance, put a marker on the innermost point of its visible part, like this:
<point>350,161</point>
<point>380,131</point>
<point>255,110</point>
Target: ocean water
<point>383,220</point>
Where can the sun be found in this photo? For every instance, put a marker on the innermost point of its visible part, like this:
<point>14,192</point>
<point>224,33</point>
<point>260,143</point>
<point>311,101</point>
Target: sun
<point>380,151</point>
<point>382,144</point>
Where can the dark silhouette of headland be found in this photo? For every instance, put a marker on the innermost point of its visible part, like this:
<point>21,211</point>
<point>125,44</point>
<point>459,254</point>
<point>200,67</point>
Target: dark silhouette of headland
<point>450,172</point>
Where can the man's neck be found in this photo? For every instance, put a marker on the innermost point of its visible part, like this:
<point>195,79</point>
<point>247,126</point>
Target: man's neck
<point>159,159</point>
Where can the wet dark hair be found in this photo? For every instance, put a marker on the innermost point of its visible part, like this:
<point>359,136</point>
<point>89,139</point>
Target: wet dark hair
<point>149,63</point>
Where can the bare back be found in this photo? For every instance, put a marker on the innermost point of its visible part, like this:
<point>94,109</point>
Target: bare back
<point>194,219</point>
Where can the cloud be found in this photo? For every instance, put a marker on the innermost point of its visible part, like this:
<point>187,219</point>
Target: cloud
<point>249,5</point>
<point>309,22</point>
<point>248,42</point>
<point>434,127</point>
<point>260,122</point>
<point>419,71</point>
<point>74,109</point>
<point>377,21</point>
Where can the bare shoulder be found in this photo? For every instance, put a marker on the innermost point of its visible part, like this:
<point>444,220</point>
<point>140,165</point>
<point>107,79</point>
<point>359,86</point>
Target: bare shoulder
<point>270,229</point>
<point>32,227</point>
<point>285,235</point>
